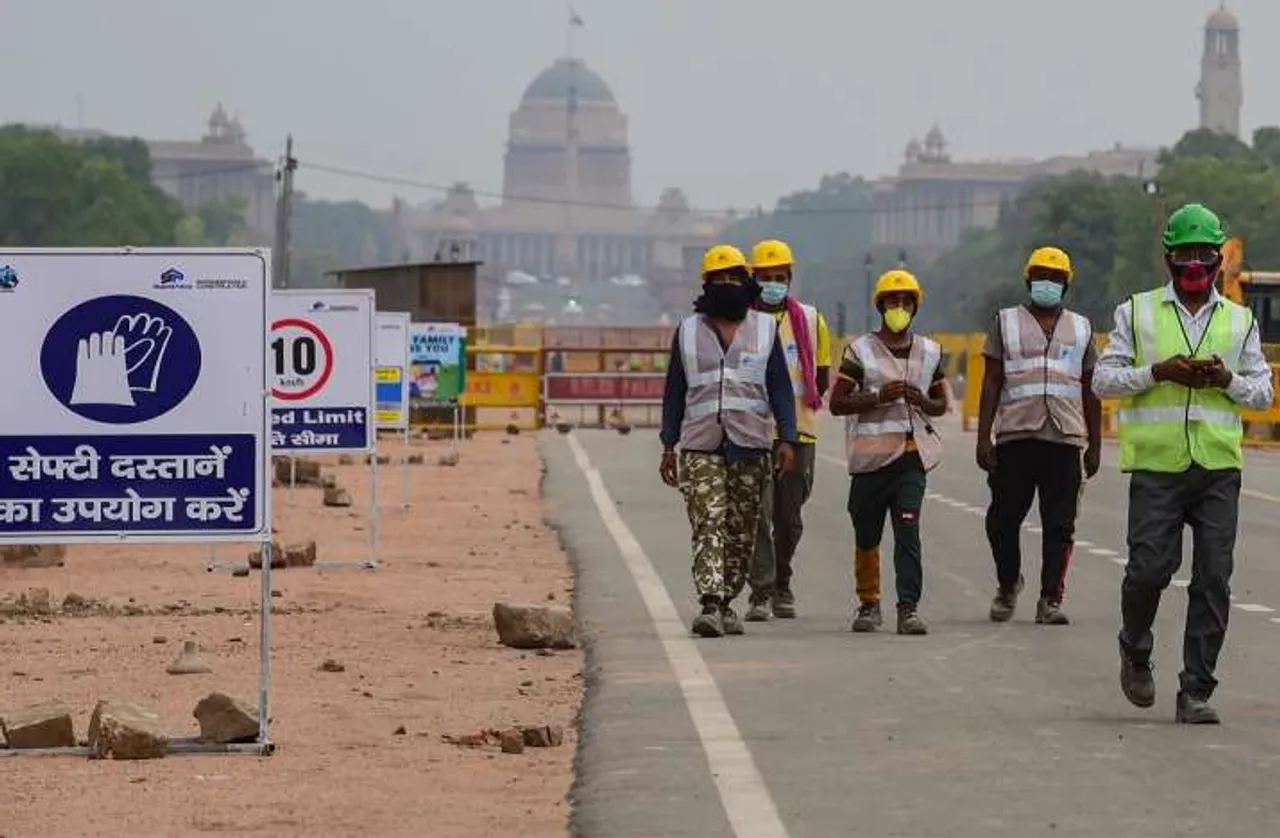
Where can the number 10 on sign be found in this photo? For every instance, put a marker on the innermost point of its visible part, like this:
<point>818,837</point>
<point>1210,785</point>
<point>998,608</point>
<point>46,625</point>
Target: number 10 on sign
<point>302,359</point>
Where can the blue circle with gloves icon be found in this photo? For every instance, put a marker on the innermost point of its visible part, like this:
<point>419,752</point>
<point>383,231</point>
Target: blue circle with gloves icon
<point>120,359</point>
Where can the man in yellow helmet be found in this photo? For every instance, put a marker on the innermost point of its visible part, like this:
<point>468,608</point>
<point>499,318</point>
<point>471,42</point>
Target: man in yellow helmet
<point>1037,396</point>
<point>806,343</point>
<point>727,384</point>
<point>1186,361</point>
<point>889,385</point>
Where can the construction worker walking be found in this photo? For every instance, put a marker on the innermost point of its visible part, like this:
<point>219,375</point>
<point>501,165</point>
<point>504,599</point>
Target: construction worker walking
<point>806,344</point>
<point>726,385</point>
<point>1037,397</point>
<point>1185,361</point>
<point>890,382</point>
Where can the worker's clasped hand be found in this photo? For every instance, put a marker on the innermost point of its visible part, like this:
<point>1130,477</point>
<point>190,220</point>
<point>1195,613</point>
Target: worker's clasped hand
<point>1194,373</point>
<point>668,469</point>
<point>893,391</point>
<point>915,397</point>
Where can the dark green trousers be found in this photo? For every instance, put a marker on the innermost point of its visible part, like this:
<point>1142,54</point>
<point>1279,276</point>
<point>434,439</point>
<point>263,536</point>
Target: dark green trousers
<point>896,490</point>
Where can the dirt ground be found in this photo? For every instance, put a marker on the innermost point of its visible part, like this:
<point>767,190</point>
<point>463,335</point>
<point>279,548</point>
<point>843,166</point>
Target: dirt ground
<point>363,751</point>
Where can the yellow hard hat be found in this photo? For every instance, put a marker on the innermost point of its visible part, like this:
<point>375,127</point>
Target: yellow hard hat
<point>771,253</point>
<point>897,281</point>
<point>722,257</point>
<point>1051,258</point>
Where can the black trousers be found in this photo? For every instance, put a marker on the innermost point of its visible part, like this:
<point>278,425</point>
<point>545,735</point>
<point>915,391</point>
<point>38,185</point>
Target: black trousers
<point>1024,470</point>
<point>1160,506</point>
<point>781,524</point>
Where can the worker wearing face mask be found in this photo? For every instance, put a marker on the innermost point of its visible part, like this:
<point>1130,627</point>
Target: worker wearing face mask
<point>726,386</point>
<point>806,343</point>
<point>1186,361</point>
<point>1037,397</point>
<point>889,385</point>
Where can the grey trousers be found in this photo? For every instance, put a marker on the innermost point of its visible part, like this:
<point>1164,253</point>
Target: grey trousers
<point>1160,506</point>
<point>781,524</point>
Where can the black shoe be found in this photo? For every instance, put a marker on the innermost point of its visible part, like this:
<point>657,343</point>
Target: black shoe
<point>868,618</point>
<point>1049,613</point>
<point>1136,681</point>
<point>709,623</point>
<point>909,621</point>
<point>1005,603</point>
<point>1195,711</point>
<point>784,604</point>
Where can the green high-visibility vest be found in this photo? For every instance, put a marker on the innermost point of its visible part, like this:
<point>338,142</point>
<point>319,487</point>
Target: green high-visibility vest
<point>1170,427</point>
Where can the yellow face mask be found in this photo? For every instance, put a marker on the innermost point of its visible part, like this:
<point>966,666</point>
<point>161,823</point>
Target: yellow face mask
<point>897,319</point>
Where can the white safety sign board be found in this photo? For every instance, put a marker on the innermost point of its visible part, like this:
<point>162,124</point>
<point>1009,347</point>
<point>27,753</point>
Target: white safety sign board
<point>391,373</point>
<point>321,364</point>
<point>135,395</point>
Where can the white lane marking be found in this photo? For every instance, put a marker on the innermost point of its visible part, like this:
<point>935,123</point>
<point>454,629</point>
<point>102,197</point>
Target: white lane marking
<point>743,793</point>
<point>1254,493</point>
<point>1116,558</point>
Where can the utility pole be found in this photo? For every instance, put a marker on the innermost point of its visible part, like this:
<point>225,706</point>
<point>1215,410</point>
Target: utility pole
<point>867,265</point>
<point>284,215</point>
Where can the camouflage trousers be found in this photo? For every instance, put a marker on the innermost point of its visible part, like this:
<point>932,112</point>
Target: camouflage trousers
<point>724,501</point>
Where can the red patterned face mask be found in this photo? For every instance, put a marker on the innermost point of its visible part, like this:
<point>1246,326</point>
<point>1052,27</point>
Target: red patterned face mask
<point>1195,277</point>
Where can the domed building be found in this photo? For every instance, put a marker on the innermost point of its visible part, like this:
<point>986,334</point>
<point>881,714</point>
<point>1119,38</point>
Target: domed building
<point>567,207</point>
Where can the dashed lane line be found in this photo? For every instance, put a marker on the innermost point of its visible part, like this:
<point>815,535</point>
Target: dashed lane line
<point>1103,552</point>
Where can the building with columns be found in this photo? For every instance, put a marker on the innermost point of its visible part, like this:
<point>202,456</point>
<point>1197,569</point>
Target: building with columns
<point>933,200</point>
<point>1220,91</point>
<point>567,208</point>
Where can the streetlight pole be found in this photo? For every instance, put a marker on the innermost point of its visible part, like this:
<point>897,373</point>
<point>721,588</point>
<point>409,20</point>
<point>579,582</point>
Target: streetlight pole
<point>867,264</point>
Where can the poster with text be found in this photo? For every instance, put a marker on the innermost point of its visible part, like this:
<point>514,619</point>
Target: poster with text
<point>437,363</point>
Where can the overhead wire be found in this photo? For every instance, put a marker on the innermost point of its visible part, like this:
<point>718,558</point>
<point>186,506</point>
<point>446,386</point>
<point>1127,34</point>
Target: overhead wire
<point>738,214</point>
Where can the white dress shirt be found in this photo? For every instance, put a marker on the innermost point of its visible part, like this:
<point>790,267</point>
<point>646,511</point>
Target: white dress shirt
<point>1115,375</point>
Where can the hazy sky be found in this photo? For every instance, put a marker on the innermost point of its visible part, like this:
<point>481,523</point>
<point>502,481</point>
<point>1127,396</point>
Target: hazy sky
<point>737,101</point>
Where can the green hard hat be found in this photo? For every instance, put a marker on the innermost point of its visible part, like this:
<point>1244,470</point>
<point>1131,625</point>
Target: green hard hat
<point>1194,224</point>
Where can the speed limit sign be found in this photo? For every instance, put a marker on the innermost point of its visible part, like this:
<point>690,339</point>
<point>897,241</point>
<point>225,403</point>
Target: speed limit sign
<point>301,358</point>
<point>320,353</point>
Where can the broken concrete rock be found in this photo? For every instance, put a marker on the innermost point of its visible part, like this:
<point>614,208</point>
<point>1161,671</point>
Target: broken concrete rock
<point>305,472</point>
<point>277,557</point>
<point>512,741</point>
<point>382,459</point>
<point>415,459</point>
<point>45,725</point>
<point>328,481</point>
<point>123,730</point>
<point>524,626</point>
<point>189,661</point>
<point>301,554</point>
<point>337,496</point>
<point>346,460</point>
<point>543,736</point>
<point>448,460</point>
<point>33,555</point>
<point>223,719</point>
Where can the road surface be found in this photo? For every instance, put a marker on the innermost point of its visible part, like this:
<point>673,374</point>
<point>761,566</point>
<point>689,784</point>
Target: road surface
<point>801,728</point>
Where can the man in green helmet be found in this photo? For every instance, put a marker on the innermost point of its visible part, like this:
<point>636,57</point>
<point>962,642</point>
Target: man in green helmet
<point>1185,361</point>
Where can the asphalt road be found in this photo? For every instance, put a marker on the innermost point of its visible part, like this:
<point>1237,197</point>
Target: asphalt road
<point>801,728</point>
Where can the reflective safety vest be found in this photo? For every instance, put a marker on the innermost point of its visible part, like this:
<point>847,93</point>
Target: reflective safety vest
<point>1042,376</point>
<point>1169,428</point>
<point>726,387</point>
<point>806,418</point>
<point>879,436</point>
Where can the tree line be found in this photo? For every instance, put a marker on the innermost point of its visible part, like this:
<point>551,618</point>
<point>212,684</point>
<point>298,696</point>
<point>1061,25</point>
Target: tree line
<point>101,192</point>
